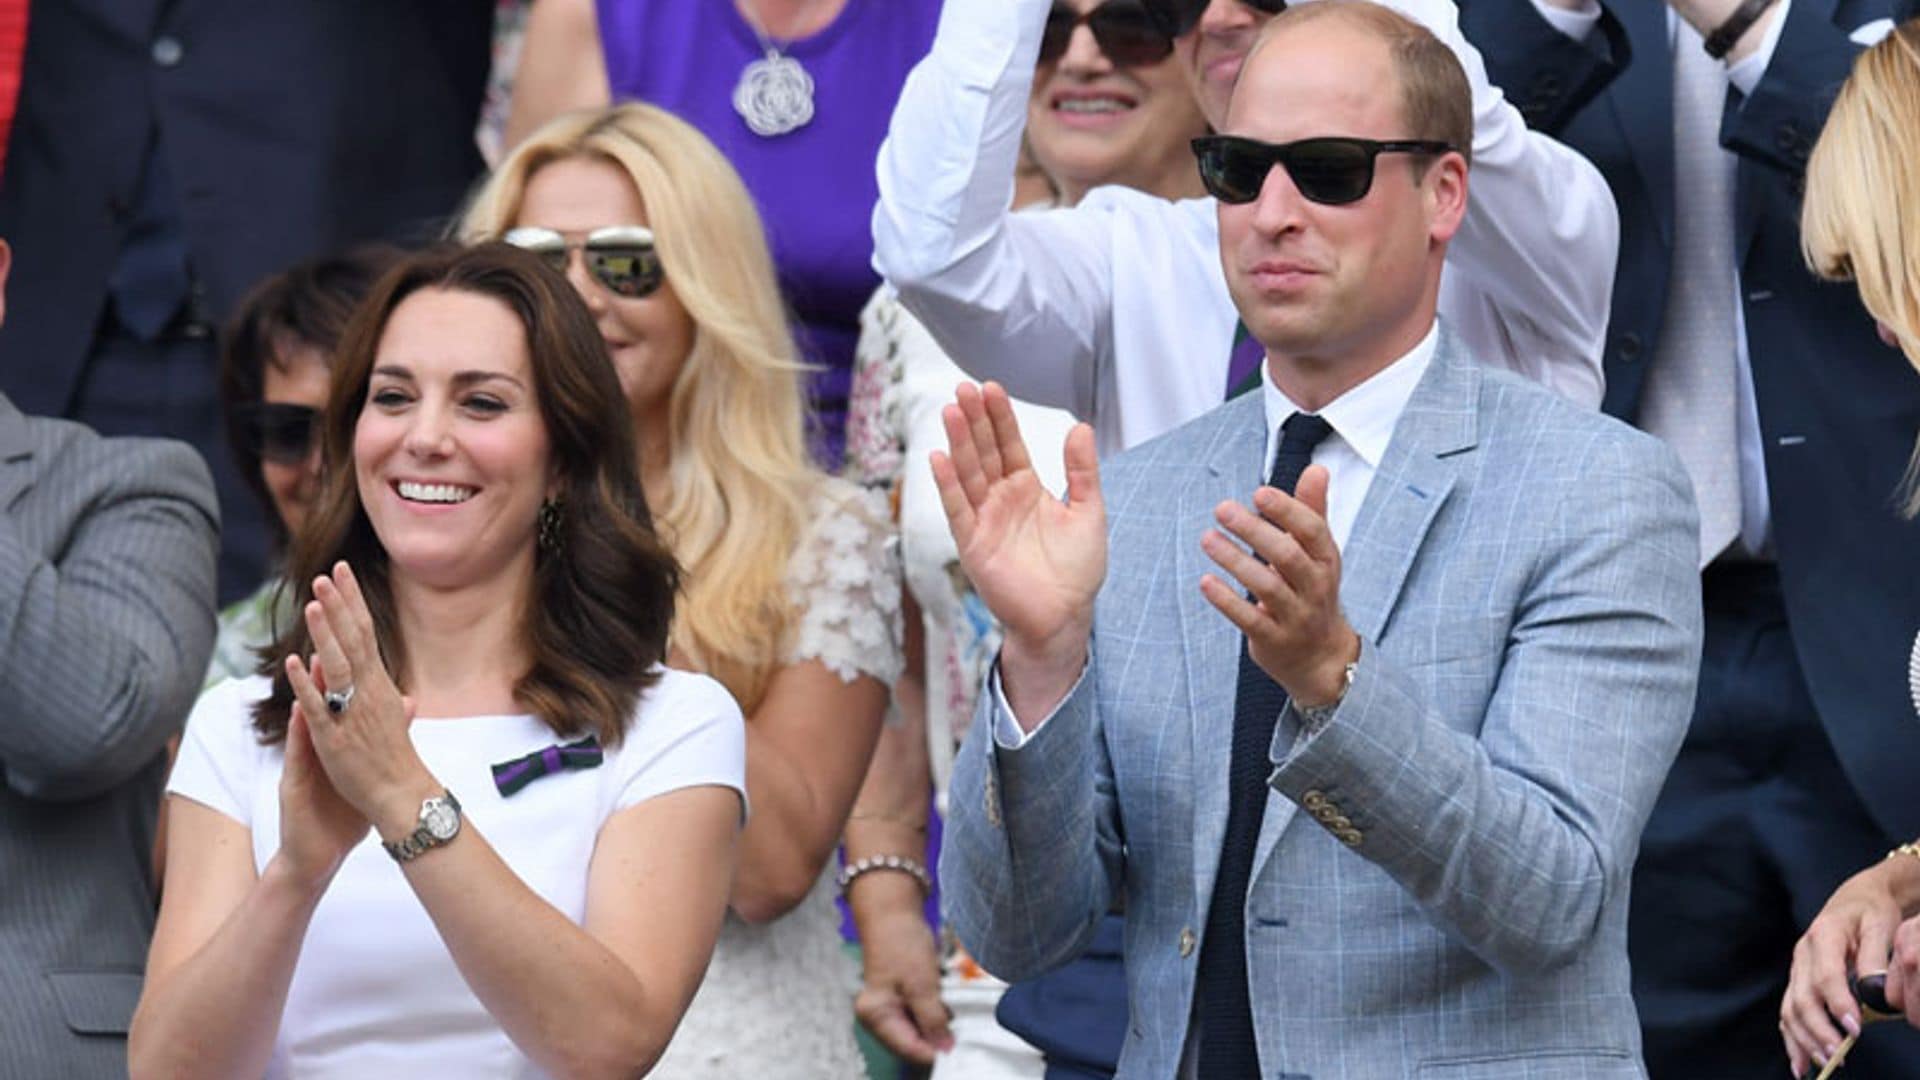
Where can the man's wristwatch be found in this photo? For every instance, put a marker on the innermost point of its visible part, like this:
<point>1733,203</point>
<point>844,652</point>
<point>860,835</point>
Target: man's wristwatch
<point>439,823</point>
<point>1315,717</point>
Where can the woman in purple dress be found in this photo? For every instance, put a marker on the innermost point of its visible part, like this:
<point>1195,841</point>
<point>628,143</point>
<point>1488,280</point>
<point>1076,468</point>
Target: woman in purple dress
<point>796,93</point>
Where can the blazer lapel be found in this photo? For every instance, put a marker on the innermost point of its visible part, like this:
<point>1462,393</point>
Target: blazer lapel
<point>16,454</point>
<point>1646,90</point>
<point>1231,469</point>
<point>1413,482</point>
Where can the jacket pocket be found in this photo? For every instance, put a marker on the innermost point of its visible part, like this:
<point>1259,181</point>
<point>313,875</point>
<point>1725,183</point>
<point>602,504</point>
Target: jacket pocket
<point>97,1001</point>
<point>1572,1064</point>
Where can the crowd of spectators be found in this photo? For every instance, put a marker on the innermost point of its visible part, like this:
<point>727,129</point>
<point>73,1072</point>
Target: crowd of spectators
<point>506,569</point>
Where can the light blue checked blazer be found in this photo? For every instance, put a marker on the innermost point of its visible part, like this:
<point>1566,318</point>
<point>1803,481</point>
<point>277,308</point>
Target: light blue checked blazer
<point>1453,902</point>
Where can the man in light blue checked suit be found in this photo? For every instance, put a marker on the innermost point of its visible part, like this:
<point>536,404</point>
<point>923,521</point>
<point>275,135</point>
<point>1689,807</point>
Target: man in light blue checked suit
<point>1368,754</point>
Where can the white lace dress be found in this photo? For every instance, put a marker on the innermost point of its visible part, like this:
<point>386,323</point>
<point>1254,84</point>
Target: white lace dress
<point>777,1001</point>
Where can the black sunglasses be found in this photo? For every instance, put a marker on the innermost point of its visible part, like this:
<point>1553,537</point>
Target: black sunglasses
<point>621,257</point>
<point>282,434</point>
<point>1332,170</point>
<point>1122,28</point>
<point>1176,17</point>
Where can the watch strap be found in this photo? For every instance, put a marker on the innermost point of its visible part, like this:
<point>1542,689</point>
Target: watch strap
<point>1315,717</point>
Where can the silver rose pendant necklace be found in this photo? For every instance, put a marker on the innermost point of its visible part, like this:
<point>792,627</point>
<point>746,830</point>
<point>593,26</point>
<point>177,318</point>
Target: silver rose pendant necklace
<point>775,94</point>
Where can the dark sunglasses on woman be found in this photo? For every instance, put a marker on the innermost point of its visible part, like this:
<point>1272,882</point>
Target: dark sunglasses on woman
<point>1331,170</point>
<point>282,434</point>
<point>1122,28</point>
<point>1176,17</point>
<point>621,257</point>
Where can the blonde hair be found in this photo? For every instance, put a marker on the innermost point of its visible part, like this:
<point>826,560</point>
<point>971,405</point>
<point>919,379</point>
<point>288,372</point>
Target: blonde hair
<point>740,476</point>
<point>1861,217</point>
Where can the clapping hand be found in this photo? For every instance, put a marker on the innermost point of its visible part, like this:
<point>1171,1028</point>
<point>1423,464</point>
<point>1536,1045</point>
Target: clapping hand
<point>1288,599</point>
<point>1037,561</point>
<point>355,716</point>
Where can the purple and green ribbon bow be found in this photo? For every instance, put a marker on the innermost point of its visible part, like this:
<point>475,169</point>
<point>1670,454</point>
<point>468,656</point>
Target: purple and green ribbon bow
<point>511,776</point>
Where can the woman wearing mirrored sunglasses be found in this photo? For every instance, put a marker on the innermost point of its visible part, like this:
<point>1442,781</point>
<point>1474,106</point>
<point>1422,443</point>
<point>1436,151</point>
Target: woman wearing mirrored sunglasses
<point>796,94</point>
<point>276,363</point>
<point>1860,222</point>
<point>790,595</point>
<point>1108,106</point>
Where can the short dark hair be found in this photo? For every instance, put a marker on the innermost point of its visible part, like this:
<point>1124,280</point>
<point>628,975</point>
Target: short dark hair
<point>1436,100</point>
<point>305,305</point>
<point>603,596</point>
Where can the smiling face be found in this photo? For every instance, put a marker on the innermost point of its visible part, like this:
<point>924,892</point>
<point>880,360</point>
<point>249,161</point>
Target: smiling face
<point>648,337</point>
<point>450,452</point>
<point>296,374</point>
<point>1090,122</point>
<point>1356,283</point>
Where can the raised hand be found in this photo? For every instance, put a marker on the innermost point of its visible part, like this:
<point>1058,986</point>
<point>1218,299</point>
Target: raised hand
<point>364,746</point>
<point>1038,562</point>
<point>1291,569</point>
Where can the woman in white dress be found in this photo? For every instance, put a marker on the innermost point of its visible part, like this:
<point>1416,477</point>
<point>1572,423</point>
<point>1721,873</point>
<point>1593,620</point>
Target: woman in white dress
<point>475,686</point>
<point>791,595</point>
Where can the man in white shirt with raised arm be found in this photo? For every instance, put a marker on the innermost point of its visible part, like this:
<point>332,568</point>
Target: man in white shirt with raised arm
<point>1116,308</point>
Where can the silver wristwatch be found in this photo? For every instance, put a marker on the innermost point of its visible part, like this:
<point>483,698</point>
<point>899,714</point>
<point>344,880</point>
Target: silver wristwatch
<point>1315,717</point>
<point>439,823</point>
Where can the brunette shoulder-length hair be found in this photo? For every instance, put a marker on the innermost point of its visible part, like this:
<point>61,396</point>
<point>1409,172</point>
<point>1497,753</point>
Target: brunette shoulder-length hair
<point>601,605</point>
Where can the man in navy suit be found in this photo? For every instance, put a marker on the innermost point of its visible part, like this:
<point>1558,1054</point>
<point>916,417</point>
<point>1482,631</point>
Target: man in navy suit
<point>1794,425</point>
<point>169,153</point>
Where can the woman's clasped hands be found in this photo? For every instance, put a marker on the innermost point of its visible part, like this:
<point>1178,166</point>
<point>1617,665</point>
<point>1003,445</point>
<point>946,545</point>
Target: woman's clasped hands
<point>350,763</point>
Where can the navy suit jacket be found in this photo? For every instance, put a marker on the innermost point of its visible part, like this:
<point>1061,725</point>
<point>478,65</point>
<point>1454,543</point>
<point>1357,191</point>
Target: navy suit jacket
<point>1838,409</point>
<point>288,127</point>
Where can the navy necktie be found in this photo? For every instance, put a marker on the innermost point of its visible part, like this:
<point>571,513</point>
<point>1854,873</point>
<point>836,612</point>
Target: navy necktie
<point>1227,1047</point>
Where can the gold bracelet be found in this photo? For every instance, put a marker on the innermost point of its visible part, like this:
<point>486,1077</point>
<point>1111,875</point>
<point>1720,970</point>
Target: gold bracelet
<point>1910,848</point>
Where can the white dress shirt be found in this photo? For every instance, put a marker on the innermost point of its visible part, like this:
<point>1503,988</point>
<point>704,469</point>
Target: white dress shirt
<point>1756,510</point>
<point>1117,309</point>
<point>1362,419</point>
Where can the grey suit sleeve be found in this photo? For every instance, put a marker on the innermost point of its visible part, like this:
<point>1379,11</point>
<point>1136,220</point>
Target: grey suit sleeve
<point>1517,836</point>
<point>1031,857</point>
<point>103,646</point>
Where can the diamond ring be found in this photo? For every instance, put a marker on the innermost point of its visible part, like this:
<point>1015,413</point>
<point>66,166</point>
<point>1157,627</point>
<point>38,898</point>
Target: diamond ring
<point>338,700</point>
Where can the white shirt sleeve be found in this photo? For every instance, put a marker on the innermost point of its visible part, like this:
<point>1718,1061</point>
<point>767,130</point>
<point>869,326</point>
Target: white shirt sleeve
<point>688,733</point>
<point>1747,74</point>
<point>220,757</point>
<point>1541,236</point>
<point>999,291</point>
<point>1006,730</point>
<point>1576,24</point>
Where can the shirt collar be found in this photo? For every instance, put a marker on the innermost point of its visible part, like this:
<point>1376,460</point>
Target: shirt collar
<point>1363,417</point>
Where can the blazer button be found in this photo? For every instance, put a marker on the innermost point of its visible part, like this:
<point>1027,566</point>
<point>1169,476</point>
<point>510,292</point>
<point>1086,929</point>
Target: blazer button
<point>1339,823</point>
<point>1350,837</point>
<point>1186,941</point>
<point>1629,346</point>
<point>167,51</point>
<point>1314,802</point>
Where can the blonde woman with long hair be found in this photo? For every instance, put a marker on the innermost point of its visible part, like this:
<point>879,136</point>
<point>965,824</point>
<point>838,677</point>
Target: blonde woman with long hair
<point>1861,222</point>
<point>790,596</point>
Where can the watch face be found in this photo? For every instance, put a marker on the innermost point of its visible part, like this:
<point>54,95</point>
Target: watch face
<point>441,820</point>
